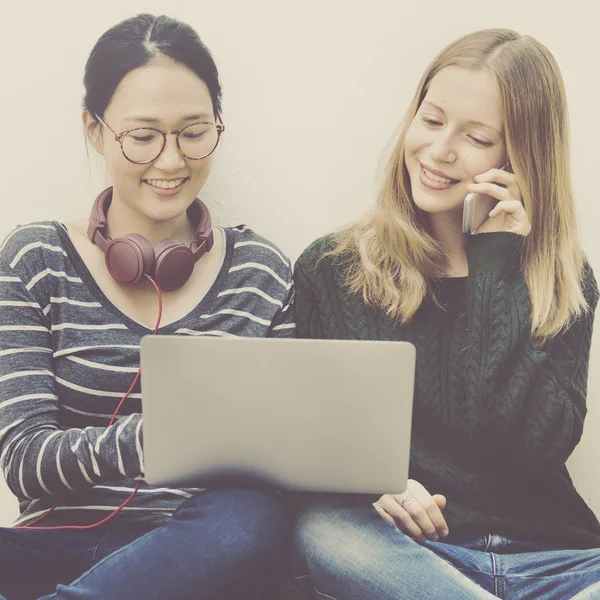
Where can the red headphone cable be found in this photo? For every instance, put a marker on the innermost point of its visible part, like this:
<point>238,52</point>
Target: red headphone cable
<point>139,481</point>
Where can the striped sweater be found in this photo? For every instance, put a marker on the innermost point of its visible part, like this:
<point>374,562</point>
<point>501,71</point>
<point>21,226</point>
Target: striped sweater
<point>68,355</point>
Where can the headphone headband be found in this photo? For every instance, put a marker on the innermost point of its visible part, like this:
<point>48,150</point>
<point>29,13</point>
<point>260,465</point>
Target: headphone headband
<point>130,257</point>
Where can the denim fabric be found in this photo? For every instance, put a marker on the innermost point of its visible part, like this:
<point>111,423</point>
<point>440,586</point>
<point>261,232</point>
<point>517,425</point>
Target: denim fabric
<point>218,544</point>
<point>353,554</point>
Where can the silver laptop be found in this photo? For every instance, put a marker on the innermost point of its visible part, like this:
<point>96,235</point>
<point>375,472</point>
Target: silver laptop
<point>303,415</point>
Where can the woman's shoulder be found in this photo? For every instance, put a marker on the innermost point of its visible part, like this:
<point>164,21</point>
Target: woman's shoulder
<point>318,254</point>
<point>31,244</point>
<point>589,284</point>
<point>253,261</point>
<point>249,245</point>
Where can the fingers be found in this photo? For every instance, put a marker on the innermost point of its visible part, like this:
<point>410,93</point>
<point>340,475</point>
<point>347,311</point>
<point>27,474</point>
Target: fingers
<point>406,522</point>
<point>498,177</point>
<point>383,514</point>
<point>440,500</point>
<point>510,212</point>
<point>507,215</point>
<point>493,190</point>
<point>415,512</point>
<point>432,511</point>
<point>507,206</point>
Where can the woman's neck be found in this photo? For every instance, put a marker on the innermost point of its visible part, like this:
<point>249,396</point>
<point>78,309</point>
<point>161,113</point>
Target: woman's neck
<point>121,220</point>
<point>446,229</point>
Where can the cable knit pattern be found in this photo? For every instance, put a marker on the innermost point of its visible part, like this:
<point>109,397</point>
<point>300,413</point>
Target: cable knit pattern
<point>494,418</point>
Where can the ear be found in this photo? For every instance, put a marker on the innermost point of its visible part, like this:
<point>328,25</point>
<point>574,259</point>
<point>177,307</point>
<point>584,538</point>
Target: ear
<point>93,132</point>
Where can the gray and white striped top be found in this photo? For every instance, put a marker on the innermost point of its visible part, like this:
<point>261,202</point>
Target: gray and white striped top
<point>68,355</point>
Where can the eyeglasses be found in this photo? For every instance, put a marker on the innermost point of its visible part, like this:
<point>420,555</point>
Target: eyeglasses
<point>143,145</point>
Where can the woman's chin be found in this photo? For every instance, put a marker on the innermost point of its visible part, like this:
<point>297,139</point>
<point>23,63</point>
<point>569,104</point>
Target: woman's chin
<point>439,208</point>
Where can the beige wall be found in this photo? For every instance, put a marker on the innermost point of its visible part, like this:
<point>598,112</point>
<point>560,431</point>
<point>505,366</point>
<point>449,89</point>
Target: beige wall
<point>311,95</point>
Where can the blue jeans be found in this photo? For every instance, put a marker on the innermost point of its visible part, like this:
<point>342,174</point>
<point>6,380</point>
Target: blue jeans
<point>353,554</point>
<point>218,544</point>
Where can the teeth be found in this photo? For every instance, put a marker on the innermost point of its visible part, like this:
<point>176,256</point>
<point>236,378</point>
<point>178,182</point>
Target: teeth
<point>433,177</point>
<point>165,185</point>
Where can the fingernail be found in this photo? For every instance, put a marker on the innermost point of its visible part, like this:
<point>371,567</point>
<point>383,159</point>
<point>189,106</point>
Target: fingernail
<point>434,538</point>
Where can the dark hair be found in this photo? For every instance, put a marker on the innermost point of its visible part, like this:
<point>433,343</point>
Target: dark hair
<point>133,43</point>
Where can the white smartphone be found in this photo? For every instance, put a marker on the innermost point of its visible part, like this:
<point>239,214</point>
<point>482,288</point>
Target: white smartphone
<point>477,208</point>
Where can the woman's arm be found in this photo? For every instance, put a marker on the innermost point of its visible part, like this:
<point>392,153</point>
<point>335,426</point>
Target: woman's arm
<point>284,321</point>
<point>37,456</point>
<point>308,321</point>
<point>529,402</point>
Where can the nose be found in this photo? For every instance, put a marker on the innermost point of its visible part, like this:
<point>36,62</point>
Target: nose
<point>442,147</point>
<point>171,158</point>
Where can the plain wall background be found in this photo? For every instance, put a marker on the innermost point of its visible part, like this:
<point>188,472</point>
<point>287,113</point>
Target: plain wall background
<point>313,91</point>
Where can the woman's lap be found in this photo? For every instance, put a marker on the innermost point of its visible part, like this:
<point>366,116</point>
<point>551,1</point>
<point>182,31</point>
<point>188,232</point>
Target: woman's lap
<point>533,575</point>
<point>215,541</point>
<point>33,563</point>
<point>232,535</point>
<point>352,553</point>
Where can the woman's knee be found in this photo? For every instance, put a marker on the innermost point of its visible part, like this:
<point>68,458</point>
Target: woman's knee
<point>350,540</point>
<point>354,553</point>
<point>249,522</point>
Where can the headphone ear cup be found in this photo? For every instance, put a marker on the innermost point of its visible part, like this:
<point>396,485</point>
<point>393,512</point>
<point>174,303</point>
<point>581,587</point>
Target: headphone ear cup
<point>174,264</point>
<point>129,257</point>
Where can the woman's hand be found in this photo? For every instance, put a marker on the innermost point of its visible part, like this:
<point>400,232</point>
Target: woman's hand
<point>509,214</point>
<point>415,512</point>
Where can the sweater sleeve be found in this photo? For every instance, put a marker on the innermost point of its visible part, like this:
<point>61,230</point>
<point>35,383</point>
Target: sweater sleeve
<point>529,402</point>
<point>308,320</point>
<point>284,321</point>
<point>37,456</point>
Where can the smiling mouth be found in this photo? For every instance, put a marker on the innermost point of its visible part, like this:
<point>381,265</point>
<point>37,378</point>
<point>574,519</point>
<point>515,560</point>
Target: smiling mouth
<point>437,178</point>
<point>166,185</point>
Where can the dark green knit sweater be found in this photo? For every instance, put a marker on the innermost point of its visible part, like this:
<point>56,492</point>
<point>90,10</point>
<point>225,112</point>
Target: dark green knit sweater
<point>494,418</point>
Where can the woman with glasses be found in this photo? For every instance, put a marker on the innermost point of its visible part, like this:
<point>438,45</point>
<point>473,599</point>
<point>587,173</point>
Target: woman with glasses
<point>76,298</point>
<point>501,317</point>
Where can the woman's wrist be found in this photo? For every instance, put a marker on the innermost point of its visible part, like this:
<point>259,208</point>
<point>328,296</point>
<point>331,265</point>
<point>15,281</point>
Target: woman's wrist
<point>494,252</point>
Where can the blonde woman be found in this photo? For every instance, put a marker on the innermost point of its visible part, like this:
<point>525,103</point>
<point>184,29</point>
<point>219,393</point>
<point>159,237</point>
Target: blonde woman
<point>502,322</point>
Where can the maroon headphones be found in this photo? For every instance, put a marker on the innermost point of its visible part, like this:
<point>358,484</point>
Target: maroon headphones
<point>132,256</point>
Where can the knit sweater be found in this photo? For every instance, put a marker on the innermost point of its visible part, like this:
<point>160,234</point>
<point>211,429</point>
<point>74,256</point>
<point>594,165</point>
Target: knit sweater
<point>494,418</point>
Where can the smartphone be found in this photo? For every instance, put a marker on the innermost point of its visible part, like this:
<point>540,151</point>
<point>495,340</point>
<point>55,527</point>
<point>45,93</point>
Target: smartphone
<point>477,208</point>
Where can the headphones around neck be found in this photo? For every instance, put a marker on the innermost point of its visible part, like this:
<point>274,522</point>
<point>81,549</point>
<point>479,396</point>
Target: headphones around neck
<point>130,257</point>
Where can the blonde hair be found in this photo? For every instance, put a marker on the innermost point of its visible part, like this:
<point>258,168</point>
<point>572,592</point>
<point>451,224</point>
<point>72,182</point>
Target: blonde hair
<point>393,260</point>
